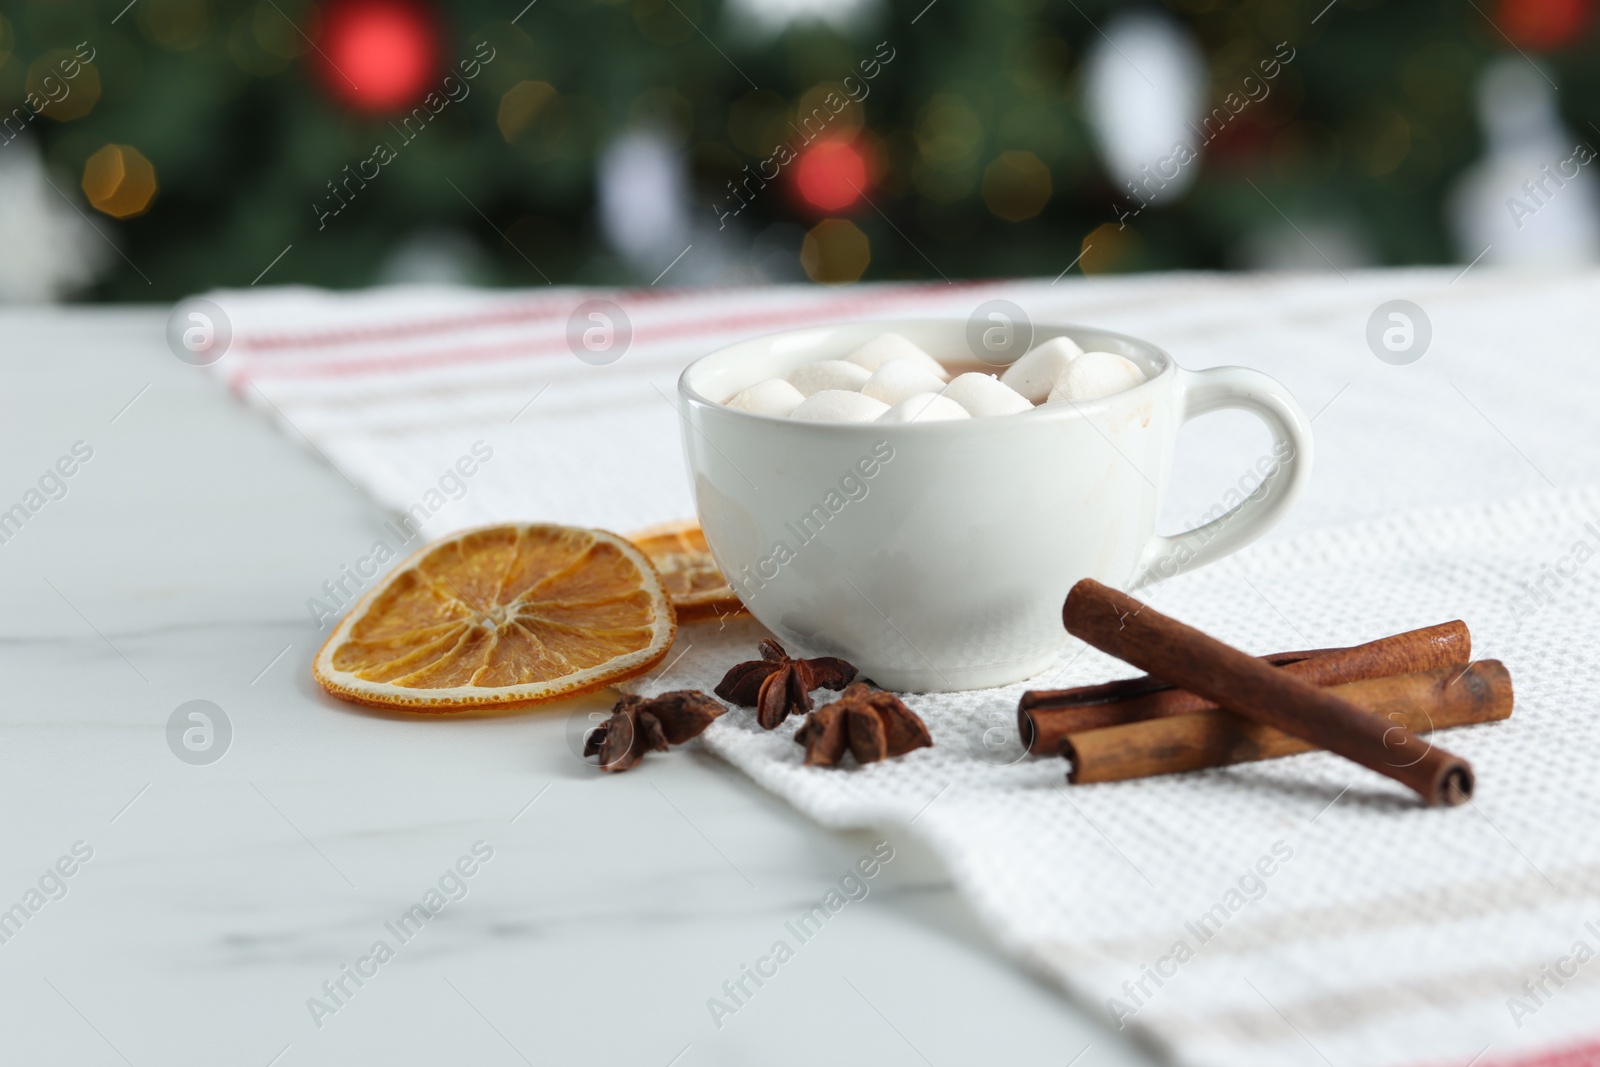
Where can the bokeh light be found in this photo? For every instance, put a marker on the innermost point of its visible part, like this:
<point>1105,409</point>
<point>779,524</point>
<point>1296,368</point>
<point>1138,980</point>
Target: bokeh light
<point>377,55</point>
<point>949,134</point>
<point>119,181</point>
<point>1108,247</point>
<point>262,42</point>
<point>520,106</point>
<point>179,25</point>
<point>831,175</point>
<point>69,87</point>
<point>1016,186</point>
<point>835,251</point>
<point>1543,24</point>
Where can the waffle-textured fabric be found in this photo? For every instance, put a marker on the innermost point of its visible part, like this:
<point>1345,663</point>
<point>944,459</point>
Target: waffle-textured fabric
<point>1297,911</point>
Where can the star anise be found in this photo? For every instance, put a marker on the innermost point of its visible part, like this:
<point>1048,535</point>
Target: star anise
<point>645,724</point>
<point>871,723</point>
<point>778,686</point>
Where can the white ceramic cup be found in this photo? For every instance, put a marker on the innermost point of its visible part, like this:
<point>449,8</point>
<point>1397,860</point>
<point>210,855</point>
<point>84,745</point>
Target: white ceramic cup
<point>936,556</point>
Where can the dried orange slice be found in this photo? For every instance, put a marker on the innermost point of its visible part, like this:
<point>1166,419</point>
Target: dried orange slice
<point>679,551</point>
<point>502,615</point>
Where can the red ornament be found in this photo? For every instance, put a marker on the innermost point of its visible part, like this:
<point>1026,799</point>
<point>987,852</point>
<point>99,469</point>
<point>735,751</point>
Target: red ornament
<point>1543,25</point>
<point>831,175</point>
<point>377,55</point>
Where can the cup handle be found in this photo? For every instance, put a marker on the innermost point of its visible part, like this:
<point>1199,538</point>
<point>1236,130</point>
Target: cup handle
<point>1200,393</point>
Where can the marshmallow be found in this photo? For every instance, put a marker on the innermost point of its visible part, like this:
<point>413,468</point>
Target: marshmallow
<point>924,407</point>
<point>828,374</point>
<point>881,349</point>
<point>839,405</point>
<point>771,397</point>
<point>984,394</point>
<point>1093,375</point>
<point>900,378</point>
<point>1035,373</point>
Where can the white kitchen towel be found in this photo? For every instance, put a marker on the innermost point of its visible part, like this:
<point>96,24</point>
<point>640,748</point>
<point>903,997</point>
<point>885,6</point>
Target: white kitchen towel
<point>1295,911</point>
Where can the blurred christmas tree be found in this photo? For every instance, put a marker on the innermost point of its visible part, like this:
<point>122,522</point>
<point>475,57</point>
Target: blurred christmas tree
<point>344,143</point>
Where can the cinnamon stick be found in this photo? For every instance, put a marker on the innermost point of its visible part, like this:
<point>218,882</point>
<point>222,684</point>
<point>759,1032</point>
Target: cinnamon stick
<point>1419,702</point>
<point>1118,624</point>
<point>1046,716</point>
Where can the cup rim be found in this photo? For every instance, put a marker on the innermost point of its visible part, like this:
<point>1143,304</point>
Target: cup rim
<point>1040,413</point>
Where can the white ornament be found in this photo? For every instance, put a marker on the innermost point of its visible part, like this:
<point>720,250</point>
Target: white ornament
<point>1533,199</point>
<point>1144,86</point>
<point>642,185</point>
<point>50,251</point>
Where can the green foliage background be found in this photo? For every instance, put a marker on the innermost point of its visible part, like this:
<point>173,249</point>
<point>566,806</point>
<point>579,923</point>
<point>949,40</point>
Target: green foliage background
<point>1365,129</point>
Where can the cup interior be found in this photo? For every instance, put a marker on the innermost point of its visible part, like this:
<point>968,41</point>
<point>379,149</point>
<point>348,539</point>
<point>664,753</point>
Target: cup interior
<point>714,378</point>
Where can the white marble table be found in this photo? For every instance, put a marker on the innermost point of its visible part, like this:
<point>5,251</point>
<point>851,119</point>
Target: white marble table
<point>220,898</point>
